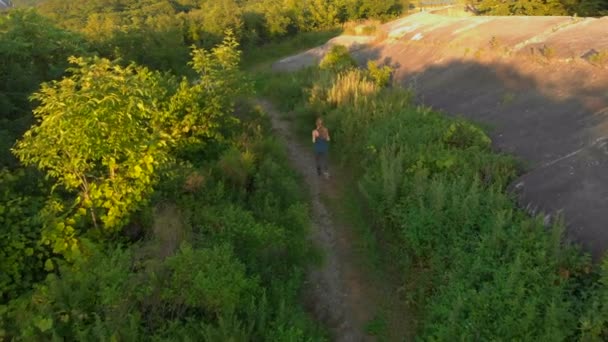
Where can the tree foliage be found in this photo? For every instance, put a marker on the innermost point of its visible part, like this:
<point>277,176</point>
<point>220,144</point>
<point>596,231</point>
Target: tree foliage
<point>22,256</point>
<point>542,7</point>
<point>225,263</point>
<point>104,131</point>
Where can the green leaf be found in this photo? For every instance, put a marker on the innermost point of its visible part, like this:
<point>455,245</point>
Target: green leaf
<point>44,324</point>
<point>48,265</point>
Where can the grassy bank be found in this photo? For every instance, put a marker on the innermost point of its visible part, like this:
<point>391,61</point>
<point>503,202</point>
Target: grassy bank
<point>473,265</point>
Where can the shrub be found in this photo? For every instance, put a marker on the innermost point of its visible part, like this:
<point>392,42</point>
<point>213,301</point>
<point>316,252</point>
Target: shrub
<point>119,296</point>
<point>22,256</point>
<point>599,59</point>
<point>464,135</point>
<point>380,75</point>
<point>337,59</point>
<point>594,322</point>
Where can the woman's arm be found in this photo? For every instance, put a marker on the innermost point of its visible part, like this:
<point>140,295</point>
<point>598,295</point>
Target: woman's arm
<point>314,135</point>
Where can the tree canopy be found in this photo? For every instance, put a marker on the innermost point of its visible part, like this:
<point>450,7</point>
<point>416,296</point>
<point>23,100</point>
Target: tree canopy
<point>104,131</point>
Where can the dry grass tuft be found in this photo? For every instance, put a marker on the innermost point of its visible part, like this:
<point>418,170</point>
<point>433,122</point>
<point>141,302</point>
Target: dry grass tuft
<point>350,87</point>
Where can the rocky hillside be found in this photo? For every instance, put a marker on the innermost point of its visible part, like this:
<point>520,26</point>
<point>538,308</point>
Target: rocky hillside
<point>4,4</point>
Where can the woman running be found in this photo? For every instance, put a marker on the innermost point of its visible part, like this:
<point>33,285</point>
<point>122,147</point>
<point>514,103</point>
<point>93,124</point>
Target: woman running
<point>320,138</point>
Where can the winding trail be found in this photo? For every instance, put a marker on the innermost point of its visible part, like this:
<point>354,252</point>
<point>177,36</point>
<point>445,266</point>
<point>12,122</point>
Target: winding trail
<point>338,293</point>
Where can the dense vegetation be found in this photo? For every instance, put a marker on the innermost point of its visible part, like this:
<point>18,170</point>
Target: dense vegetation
<point>162,215</point>
<point>473,265</point>
<point>140,203</point>
<point>141,197</point>
<point>137,205</point>
<point>581,8</point>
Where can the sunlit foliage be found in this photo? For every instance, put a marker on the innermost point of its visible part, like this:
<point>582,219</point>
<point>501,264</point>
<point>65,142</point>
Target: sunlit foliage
<point>104,131</point>
<point>543,7</point>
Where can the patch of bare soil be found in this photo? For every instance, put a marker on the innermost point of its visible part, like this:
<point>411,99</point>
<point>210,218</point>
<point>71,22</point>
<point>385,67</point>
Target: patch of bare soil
<point>340,294</point>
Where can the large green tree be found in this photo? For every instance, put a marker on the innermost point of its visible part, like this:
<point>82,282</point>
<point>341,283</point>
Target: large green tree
<point>542,7</point>
<point>104,132</point>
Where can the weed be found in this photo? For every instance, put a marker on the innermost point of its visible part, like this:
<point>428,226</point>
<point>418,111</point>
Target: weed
<point>507,98</point>
<point>337,59</point>
<point>548,52</point>
<point>380,75</point>
<point>599,59</point>
<point>494,43</point>
<point>479,53</point>
<point>377,326</point>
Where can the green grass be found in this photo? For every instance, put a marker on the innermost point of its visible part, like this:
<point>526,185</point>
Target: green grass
<point>260,57</point>
<point>377,327</point>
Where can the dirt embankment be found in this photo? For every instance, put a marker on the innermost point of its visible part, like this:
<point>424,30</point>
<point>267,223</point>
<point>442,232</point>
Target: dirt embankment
<point>539,83</point>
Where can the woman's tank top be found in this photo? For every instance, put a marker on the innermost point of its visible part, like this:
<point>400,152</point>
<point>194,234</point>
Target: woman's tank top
<point>321,142</point>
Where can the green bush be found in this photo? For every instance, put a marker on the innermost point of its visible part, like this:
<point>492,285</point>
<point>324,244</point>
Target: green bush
<point>380,75</point>
<point>22,256</point>
<point>594,322</point>
<point>337,59</point>
<point>114,295</point>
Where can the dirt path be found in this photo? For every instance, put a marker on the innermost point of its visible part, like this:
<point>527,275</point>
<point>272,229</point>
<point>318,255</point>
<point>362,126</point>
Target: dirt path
<point>339,293</point>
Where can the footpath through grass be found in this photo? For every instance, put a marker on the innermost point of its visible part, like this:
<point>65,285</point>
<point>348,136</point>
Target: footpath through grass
<point>473,265</point>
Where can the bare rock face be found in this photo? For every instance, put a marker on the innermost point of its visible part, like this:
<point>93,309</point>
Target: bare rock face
<point>5,4</point>
<point>540,83</point>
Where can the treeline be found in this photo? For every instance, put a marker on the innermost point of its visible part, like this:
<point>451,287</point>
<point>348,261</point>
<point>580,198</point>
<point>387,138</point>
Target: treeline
<point>471,264</point>
<point>161,24</point>
<point>581,8</point>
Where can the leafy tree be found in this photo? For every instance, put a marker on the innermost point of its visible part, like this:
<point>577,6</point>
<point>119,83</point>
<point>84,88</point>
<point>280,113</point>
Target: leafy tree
<point>207,24</point>
<point>105,131</point>
<point>522,7</point>
<point>542,7</point>
<point>323,13</point>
